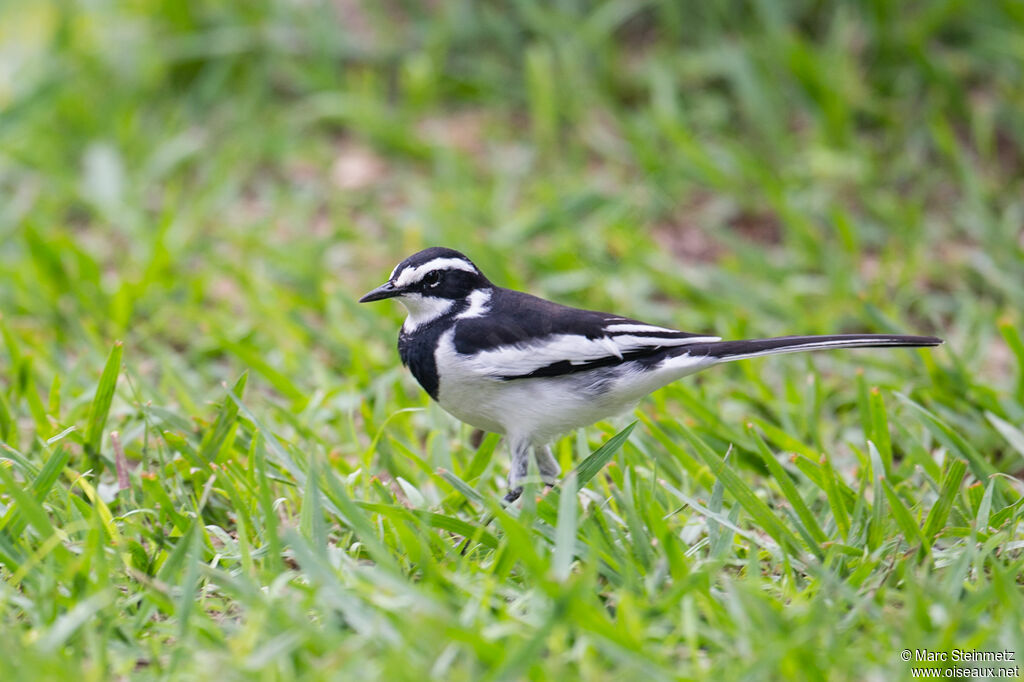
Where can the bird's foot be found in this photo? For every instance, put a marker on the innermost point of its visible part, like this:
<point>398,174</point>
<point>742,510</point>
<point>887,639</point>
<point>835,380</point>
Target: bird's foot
<point>516,493</point>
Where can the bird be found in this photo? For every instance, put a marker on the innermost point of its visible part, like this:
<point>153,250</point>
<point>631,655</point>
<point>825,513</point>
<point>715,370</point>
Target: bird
<point>530,369</point>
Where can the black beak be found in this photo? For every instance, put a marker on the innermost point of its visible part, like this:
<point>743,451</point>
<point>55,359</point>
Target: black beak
<point>386,290</point>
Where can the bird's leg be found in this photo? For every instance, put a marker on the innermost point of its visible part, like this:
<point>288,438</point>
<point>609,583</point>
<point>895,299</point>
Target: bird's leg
<point>520,467</point>
<point>547,464</point>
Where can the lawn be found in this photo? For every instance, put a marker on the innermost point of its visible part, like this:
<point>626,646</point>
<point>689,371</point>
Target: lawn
<point>213,466</point>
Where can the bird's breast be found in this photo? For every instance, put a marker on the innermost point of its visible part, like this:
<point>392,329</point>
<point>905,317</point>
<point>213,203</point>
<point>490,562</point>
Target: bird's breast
<point>417,351</point>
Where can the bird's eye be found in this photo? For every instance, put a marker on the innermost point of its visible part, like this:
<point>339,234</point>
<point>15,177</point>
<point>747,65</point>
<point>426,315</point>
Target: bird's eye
<point>432,279</point>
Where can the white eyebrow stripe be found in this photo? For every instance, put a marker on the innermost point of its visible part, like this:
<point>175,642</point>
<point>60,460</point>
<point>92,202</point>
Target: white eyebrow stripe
<point>410,275</point>
<point>478,300</point>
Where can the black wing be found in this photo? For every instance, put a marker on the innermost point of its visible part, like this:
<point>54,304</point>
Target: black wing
<point>521,336</point>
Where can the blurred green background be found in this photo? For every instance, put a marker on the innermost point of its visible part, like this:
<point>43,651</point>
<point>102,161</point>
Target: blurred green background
<point>215,183</point>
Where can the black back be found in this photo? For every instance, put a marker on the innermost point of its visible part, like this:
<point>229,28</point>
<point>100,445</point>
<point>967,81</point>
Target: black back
<point>516,317</point>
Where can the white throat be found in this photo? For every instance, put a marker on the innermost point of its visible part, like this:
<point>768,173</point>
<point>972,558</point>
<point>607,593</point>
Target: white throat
<point>423,309</point>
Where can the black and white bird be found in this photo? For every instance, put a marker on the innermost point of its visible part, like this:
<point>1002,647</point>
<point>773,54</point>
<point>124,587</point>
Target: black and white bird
<point>514,364</point>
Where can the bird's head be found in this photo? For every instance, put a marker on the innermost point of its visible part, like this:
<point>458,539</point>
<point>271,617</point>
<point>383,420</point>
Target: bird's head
<point>431,283</point>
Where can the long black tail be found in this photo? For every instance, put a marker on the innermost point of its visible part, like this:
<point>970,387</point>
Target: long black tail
<point>727,351</point>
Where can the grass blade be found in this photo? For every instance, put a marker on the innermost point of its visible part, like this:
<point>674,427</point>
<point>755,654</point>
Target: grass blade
<point>789,490</point>
<point>100,407</point>
<point>985,508</point>
<point>939,512</point>
<point>758,510</point>
<point>482,457</point>
<point>835,499</point>
<point>876,527</point>
<point>565,531</point>
<point>1013,435</point>
<point>226,418</point>
<point>6,421</point>
<point>880,429</point>
<point>911,531</point>
<point>311,518</point>
<point>27,504</point>
<point>70,622</point>
<point>353,517</point>
<point>266,503</point>
<point>434,520</point>
<point>461,486</point>
<point>41,486</point>
<point>592,465</point>
<point>980,467</point>
<point>585,471</point>
<point>1011,333</point>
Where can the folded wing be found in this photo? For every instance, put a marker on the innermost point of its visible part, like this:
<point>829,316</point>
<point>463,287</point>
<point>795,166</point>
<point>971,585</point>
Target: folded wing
<point>538,338</point>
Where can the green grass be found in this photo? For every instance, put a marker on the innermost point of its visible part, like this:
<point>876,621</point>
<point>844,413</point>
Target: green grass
<point>193,195</point>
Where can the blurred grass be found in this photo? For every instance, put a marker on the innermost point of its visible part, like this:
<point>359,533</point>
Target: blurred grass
<point>213,185</point>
